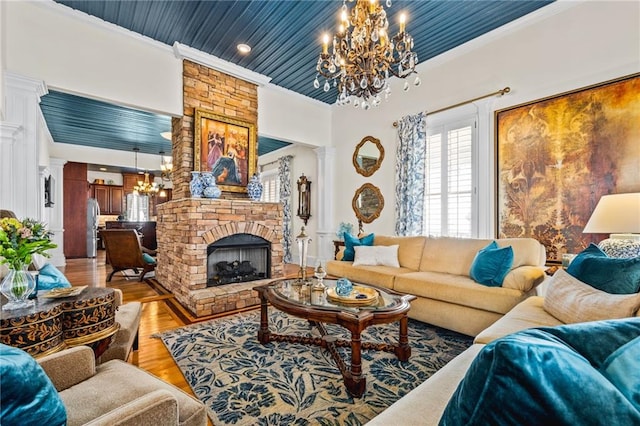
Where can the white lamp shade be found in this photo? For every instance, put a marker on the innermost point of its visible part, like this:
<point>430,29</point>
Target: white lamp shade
<point>615,213</point>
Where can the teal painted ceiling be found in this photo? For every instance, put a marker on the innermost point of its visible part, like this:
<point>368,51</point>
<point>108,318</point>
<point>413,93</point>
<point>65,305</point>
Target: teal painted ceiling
<point>285,40</point>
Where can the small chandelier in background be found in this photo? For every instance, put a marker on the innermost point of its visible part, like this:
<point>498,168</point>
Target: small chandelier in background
<point>363,56</point>
<point>144,187</point>
<point>166,166</point>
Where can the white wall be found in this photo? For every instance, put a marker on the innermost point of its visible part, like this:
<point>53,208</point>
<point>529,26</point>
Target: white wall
<point>563,46</point>
<point>304,161</point>
<point>52,43</point>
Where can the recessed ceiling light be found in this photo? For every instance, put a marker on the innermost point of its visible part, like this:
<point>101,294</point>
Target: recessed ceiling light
<point>244,48</point>
<point>104,169</point>
<point>166,135</point>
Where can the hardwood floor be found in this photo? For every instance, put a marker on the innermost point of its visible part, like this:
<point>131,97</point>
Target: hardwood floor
<point>157,316</point>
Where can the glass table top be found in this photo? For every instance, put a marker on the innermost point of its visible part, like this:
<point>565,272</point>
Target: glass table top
<point>294,291</point>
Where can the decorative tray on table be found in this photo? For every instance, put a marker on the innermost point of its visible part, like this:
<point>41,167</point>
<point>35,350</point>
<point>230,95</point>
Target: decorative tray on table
<point>359,296</point>
<point>58,293</point>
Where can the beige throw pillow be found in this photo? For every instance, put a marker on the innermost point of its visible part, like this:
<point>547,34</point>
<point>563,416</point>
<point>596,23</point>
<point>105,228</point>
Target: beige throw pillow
<point>572,301</point>
<point>376,255</point>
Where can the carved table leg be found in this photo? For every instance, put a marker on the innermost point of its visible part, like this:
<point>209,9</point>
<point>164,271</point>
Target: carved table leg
<point>263,333</point>
<point>354,380</point>
<point>403,350</point>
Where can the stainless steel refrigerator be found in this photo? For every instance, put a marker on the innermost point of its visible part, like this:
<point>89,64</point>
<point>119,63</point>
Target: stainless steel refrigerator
<point>93,216</point>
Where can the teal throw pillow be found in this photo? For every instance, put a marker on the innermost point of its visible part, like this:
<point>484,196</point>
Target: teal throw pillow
<point>28,397</point>
<point>622,368</point>
<point>148,258</point>
<point>50,277</point>
<point>546,376</point>
<point>610,274</point>
<point>350,242</point>
<point>491,265</point>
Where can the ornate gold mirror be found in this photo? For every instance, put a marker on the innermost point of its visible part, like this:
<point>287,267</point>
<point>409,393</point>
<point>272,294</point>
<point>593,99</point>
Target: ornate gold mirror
<point>368,156</point>
<point>367,203</point>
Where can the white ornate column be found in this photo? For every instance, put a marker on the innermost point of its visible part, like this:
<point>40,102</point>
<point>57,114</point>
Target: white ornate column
<point>326,228</point>
<point>56,211</point>
<point>21,150</point>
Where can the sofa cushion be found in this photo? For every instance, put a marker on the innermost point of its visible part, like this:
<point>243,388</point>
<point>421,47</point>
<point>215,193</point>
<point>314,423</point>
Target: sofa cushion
<point>381,276</point>
<point>613,275</point>
<point>571,301</point>
<point>450,255</point>
<point>350,242</point>
<point>534,374</point>
<point>526,251</point>
<point>524,278</point>
<point>459,290</point>
<point>491,264</point>
<point>409,249</point>
<point>28,396</point>
<point>376,255</point>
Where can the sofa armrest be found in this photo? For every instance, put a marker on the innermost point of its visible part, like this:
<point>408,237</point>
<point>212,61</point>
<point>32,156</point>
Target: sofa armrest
<point>69,367</point>
<point>157,407</point>
<point>524,278</point>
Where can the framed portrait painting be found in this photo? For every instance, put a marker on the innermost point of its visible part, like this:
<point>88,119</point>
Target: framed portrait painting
<point>557,156</point>
<point>226,147</point>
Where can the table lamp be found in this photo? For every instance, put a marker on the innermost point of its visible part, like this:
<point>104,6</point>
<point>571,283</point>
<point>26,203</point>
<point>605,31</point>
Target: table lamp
<point>618,215</point>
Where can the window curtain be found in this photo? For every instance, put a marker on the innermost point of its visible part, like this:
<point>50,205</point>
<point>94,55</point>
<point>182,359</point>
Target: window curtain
<point>284,173</point>
<point>410,174</point>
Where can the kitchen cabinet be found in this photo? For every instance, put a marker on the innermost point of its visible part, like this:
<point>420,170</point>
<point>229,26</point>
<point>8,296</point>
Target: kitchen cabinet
<point>76,192</point>
<point>159,200</point>
<point>109,197</point>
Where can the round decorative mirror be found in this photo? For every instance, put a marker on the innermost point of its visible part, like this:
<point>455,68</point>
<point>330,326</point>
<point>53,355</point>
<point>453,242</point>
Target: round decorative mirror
<point>368,156</point>
<point>367,203</point>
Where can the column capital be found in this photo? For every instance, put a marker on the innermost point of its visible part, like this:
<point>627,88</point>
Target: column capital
<point>20,82</point>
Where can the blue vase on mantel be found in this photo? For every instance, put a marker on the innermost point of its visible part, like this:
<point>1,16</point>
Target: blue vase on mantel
<point>210,190</point>
<point>254,188</point>
<point>196,186</point>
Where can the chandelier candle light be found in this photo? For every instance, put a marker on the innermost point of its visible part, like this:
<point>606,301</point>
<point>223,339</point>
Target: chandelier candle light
<point>144,187</point>
<point>363,56</point>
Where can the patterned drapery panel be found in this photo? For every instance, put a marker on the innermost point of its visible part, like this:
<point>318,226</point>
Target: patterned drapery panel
<point>284,172</point>
<point>410,174</point>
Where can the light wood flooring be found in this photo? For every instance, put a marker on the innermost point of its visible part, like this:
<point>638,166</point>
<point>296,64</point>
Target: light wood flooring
<point>157,315</point>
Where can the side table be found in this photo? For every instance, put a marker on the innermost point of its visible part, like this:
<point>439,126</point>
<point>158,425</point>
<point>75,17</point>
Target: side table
<point>336,245</point>
<point>53,324</point>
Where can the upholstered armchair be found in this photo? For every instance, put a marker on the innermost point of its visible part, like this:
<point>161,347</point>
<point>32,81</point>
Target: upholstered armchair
<point>124,251</point>
<point>117,393</point>
<point>125,341</point>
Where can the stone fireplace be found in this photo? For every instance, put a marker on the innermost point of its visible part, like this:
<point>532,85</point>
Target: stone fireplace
<point>187,229</point>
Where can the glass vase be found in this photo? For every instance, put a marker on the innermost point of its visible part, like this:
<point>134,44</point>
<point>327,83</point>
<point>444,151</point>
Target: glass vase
<point>16,287</point>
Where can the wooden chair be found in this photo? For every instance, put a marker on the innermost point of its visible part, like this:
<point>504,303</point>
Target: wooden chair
<point>124,251</point>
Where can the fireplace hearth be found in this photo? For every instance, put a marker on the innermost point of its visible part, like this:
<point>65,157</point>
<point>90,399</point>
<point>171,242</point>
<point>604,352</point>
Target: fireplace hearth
<point>187,229</point>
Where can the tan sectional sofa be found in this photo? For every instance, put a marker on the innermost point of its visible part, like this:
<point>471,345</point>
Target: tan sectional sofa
<point>436,270</point>
<point>425,404</point>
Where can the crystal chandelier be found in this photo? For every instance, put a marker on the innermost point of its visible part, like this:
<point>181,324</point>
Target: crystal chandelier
<point>363,56</point>
<point>144,187</point>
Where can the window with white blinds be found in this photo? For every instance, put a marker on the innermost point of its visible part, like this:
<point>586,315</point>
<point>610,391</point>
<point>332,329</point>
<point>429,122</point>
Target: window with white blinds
<point>270,186</point>
<point>450,207</point>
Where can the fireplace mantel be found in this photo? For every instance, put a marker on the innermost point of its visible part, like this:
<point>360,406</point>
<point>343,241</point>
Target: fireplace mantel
<point>186,227</point>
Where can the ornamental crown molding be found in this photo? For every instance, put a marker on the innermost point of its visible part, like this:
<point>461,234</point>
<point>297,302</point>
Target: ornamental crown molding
<point>182,51</point>
<point>21,82</point>
<point>8,131</point>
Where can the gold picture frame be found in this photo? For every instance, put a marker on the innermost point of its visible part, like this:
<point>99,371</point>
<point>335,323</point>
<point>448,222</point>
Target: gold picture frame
<point>227,147</point>
<point>557,156</point>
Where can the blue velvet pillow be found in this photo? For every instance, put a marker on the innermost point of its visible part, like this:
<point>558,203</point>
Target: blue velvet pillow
<point>622,368</point>
<point>611,274</point>
<point>148,258</point>
<point>50,277</point>
<point>491,265</point>
<point>350,242</point>
<point>28,397</point>
<point>547,375</point>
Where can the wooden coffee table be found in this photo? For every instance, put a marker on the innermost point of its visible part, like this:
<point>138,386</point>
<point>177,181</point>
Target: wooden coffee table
<point>289,296</point>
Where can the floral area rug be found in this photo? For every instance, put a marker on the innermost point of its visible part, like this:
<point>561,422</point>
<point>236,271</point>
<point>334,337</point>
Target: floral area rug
<point>243,382</point>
